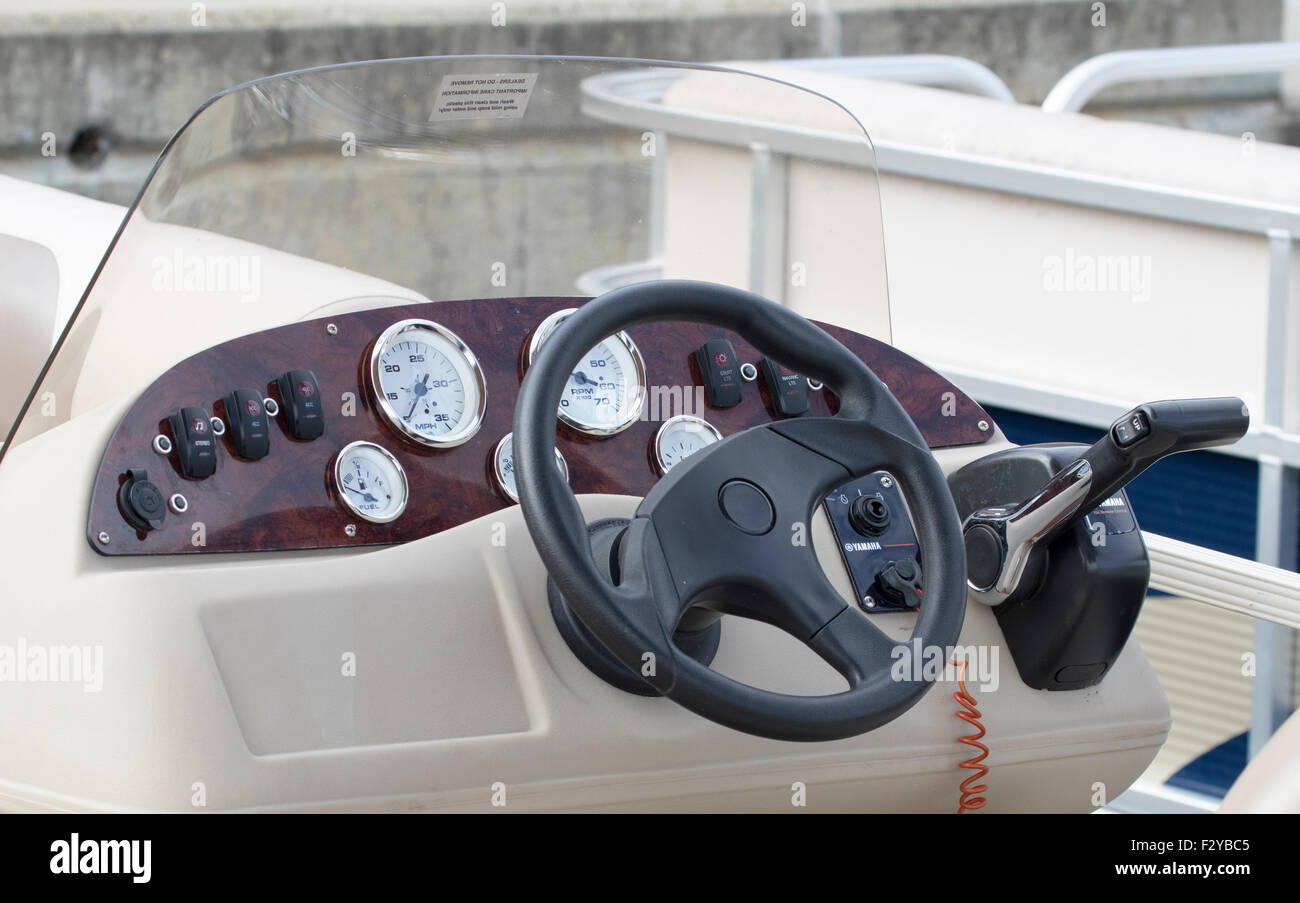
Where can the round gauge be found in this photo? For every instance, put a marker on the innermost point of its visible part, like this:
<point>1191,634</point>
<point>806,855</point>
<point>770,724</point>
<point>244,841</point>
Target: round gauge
<point>681,437</point>
<point>370,482</point>
<point>503,467</point>
<point>606,391</point>
<point>428,384</point>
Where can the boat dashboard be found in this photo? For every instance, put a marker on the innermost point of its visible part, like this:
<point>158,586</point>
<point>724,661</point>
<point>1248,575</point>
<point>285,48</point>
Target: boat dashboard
<point>387,425</point>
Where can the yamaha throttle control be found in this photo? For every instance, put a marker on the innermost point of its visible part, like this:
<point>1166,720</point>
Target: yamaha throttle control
<point>1052,543</point>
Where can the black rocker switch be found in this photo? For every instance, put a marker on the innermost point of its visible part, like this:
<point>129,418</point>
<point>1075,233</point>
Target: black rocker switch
<point>721,372</point>
<point>1130,428</point>
<point>196,446</point>
<point>301,403</point>
<point>249,425</point>
<point>141,503</point>
<point>789,390</point>
<point>900,582</point>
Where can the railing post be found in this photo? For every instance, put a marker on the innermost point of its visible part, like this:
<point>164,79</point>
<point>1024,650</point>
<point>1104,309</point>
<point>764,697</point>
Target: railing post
<point>1278,508</point>
<point>767,222</point>
<point>658,193</point>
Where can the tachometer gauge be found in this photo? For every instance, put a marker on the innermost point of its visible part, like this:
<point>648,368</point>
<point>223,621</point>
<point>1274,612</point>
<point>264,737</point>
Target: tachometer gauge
<point>370,482</point>
<point>681,437</point>
<point>606,391</point>
<point>503,467</point>
<point>428,384</point>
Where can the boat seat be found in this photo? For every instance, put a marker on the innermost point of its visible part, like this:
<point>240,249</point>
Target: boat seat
<point>1271,782</point>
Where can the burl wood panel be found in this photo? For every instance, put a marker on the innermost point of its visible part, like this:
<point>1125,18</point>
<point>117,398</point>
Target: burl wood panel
<point>286,500</point>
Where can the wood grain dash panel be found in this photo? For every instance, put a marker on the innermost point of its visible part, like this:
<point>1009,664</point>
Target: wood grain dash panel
<point>285,501</point>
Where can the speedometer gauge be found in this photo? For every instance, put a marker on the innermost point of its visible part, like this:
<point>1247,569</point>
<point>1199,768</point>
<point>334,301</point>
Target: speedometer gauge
<point>370,482</point>
<point>427,383</point>
<point>607,389</point>
<point>681,437</point>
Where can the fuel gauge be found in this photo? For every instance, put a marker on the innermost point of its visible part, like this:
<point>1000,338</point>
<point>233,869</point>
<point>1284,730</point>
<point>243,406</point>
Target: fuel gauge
<point>370,482</point>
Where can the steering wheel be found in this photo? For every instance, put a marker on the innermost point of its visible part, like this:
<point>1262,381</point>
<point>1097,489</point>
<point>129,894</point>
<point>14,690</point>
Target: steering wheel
<point>722,528</point>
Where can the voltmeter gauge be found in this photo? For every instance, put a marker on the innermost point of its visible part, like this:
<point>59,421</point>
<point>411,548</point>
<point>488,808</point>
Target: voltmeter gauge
<point>503,467</point>
<point>370,482</point>
<point>607,389</point>
<point>681,437</point>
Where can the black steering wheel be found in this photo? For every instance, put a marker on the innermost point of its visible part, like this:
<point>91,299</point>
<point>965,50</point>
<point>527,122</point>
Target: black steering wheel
<point>722,526</point>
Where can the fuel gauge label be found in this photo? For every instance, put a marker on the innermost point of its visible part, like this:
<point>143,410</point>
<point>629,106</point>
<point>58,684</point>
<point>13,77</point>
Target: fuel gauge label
<point>370,482</point>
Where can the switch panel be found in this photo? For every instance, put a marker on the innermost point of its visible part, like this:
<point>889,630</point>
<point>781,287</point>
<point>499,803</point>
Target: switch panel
<point>196,446</point>
<point>877,543</point>
<point>249,426</point>
<point>721,372</point>
<point>300,402</point>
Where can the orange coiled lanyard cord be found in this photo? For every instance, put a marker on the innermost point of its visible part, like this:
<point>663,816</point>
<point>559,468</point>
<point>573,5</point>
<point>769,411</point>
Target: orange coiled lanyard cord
<point>971,799</point>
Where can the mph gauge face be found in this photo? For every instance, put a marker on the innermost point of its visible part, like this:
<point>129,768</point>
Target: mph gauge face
<point>370,482</point>
<point>428,384</point>
<point>681,437</point>
<point>606,391</point>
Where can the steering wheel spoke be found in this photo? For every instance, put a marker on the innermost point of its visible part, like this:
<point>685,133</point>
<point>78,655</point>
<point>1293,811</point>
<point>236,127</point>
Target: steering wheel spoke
<point>736,519</point>
<point>854,646</point>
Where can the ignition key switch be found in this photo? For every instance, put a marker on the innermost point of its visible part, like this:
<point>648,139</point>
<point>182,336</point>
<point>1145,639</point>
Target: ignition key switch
<point>869,515</point>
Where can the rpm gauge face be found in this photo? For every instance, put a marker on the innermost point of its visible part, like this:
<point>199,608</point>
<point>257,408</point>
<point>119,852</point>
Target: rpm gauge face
<point>503,467</point>
<point>370,482</point>
<point>427,383</point>
<point>681,437</point>
<point>606,390</point>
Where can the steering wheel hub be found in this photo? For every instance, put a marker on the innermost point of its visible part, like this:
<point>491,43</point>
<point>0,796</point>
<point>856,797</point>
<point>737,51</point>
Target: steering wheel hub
<point>747,507</point>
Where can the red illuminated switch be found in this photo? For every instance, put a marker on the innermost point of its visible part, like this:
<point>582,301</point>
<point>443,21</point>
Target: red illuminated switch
<point>721,372</point>
<point>788,390</point>
<point>249,425</point>
<point>300,401</point>
<point>196,446</point>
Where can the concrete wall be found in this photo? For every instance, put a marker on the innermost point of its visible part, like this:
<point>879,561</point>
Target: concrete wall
<point>116,77</point>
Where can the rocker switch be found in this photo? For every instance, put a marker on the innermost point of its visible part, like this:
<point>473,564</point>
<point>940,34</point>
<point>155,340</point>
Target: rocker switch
<point>721,372</point>
<point>301,403</point>
<point>196,446</point>
<point>250,427</point>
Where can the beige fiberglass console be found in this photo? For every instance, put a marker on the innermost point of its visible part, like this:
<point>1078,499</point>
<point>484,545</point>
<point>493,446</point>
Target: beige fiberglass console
<point>287,636</point>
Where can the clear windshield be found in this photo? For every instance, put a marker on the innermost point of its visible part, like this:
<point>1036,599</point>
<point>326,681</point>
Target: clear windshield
<point>315,193</point>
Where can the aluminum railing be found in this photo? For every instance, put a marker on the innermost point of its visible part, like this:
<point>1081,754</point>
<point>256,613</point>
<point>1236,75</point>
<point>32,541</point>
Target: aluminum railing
<point>1091,77</point>
<point>932,69</point>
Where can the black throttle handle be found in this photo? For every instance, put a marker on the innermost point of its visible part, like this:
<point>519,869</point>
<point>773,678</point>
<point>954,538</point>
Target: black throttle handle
<point>1153,430</point>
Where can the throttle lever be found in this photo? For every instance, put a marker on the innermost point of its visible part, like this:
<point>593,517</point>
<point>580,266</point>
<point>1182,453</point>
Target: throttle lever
<point>1154,430</point>
<point>1000,540</point>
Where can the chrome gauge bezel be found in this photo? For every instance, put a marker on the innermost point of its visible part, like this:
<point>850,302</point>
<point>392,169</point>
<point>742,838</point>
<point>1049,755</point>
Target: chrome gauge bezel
<point>344,454</point>
<point>637,404</point>
<point>498,470</point>
<point>673,421</point>
<point>470,424</point>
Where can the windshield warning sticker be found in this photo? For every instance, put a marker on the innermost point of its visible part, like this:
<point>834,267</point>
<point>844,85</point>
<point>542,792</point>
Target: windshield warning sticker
<point>501,96</point>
